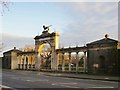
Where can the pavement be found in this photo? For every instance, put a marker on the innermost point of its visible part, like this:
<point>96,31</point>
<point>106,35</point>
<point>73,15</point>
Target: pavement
<point>84,76</point>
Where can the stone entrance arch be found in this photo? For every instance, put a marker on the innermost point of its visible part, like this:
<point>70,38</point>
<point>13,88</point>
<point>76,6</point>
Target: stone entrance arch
<point>45,55</point>
<point>52,40</point>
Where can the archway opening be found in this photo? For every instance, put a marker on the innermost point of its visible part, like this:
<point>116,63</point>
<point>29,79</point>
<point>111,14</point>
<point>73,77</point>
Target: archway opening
<point>44,53</point>
<point>102,61</point>
<point>102,64</point>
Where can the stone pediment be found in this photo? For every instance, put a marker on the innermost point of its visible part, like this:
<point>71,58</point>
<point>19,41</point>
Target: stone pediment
<point>103,41</point>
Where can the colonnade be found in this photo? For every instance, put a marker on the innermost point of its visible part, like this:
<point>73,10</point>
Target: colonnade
<point>26,61</point>
<point>72,67</point>
<point>66,60</point>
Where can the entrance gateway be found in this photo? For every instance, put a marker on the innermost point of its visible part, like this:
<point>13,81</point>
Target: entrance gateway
<point>50,39</point>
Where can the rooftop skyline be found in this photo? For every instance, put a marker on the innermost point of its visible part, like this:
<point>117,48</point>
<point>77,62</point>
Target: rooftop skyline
<point>77,23</point>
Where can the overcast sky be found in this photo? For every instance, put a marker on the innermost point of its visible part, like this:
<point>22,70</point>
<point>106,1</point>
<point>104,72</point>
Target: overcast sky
<point>77,23</point>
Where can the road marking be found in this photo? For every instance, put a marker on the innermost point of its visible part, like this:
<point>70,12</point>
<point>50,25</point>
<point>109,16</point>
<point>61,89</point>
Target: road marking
<point>101,87</point>
<point>28,80</point>
<point>97,80</point>
<point>109,81</point>
<point>64,83</point>
<point>42,80</point>
<point>37,80</point>
<point>69,85</point>
<point>3,86</point>
<point>106,78</point>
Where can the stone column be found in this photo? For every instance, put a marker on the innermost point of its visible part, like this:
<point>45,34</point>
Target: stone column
<point>63,64</point>
<point>57,60</point>
<point>37,57</point>
<point>69,61</point>
<point>77,61</point>
<point>22,62</point>
<point>53,59</point>
<point>19,61</point>
<point>33,61</point>
<point>28,62</point>
<point>85,60</point>
<point>29,59</point>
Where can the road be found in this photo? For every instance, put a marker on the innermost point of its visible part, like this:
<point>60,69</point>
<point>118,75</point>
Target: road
<point>32,79</point>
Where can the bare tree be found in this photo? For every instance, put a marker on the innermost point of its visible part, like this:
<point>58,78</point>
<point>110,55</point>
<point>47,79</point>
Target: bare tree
<point>1,46</point>
<point>4,4</point>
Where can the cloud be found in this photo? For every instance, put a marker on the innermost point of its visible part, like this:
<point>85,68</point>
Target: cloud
<point>92,21</point>
<point>10,41</point>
